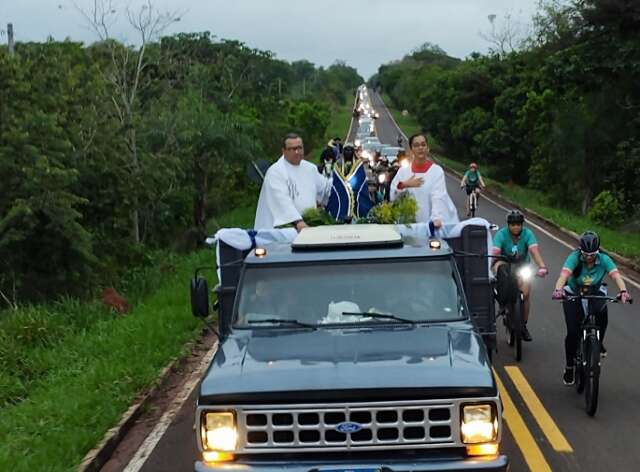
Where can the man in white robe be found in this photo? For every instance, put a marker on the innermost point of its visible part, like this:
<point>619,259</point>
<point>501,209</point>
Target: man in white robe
<point>425,181</point>
<point>291,186</point>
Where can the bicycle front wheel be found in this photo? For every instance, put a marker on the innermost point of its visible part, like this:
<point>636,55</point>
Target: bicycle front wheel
<point>592,375</point>
<point>516,327</point>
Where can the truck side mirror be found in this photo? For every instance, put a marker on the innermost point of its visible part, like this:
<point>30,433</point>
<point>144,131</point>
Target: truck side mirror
<point>199,297</point>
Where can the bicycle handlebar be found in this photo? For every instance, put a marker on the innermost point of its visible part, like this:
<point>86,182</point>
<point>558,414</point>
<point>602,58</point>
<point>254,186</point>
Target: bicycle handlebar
<point>594,297</point>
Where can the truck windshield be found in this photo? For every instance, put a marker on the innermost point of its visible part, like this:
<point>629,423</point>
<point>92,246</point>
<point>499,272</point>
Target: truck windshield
<point>413,290</point>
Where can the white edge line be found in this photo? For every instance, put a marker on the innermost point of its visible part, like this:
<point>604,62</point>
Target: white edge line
<point>151,441</point>
<point>531,223</point>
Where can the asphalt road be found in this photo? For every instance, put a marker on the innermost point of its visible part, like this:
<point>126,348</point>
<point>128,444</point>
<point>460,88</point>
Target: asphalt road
<point>546,426</point>
<point>607,442</point>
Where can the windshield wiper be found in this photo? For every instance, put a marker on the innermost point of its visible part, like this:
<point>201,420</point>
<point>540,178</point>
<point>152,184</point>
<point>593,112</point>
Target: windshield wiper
<point>284,321</point>
<point>381,316</point>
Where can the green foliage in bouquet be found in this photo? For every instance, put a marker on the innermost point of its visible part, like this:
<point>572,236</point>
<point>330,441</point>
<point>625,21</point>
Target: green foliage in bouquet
<point>401,211</point>
<point>317,217</point>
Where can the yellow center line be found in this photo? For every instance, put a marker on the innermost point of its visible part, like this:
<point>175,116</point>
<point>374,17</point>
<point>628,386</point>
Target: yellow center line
<point>539,412</point>
<point>530,450</point>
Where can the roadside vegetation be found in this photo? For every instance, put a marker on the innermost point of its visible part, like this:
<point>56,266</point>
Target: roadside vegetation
<point>69,370</point>
<point>626,243</point>
<point>553,118</point>
<point>116,161</point>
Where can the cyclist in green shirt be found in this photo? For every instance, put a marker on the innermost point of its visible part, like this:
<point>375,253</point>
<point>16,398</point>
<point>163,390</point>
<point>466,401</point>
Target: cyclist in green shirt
<point>584,272</point>
<point>519,244</point>
<point>472,182</point>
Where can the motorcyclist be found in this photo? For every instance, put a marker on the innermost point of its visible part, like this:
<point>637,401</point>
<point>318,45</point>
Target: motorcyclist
<point>583,272</point>
<point>519,244</point>
<point>472,182</point>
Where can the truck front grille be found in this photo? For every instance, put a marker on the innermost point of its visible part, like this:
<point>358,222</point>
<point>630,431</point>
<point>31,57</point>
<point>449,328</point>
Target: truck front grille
<point>352,426</point>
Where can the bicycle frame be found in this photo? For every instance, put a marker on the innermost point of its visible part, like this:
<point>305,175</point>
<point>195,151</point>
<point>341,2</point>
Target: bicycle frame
<point>514,308</point>
<point>587,361</point>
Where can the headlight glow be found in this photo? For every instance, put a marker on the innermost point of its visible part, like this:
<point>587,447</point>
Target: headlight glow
<point>478,424</point>
<point>218,431</point>
<point>404,162</point>
<point>382,178</point>
<point>525,273</point>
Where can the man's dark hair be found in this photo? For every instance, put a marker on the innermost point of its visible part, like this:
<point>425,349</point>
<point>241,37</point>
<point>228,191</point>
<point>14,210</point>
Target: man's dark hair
<point>414,136</point>
<point>289,136</point>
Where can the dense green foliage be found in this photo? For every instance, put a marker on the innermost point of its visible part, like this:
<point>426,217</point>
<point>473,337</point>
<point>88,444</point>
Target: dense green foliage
<point>561,115</point>
<point>92,179</point>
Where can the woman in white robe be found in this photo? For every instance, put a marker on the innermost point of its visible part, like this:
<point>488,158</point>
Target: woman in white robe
<point>425,181</point>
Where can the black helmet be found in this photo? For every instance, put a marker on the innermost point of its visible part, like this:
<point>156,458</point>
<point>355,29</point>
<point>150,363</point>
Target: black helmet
<point>589,242</point>
<point>515,217</point>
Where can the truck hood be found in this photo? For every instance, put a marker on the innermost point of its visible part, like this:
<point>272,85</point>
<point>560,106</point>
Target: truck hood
<point>400,361</point>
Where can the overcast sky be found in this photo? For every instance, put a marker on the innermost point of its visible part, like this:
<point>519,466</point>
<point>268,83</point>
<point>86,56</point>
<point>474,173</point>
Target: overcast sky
<point>364,33</point>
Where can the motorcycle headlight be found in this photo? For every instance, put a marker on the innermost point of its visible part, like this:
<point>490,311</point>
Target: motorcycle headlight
<point>479,424</point>
<point>219,435</point>
<point>382,178</point>
<point>525,273</point>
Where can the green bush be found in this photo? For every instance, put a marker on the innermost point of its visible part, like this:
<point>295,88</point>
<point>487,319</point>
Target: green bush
<point>607,209</point>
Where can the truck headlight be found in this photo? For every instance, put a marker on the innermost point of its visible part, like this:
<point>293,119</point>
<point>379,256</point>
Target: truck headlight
<point>219,435</point>
<point>479,424</point>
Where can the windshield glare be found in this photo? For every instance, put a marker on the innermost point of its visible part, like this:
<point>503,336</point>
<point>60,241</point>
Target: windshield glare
<point>415,290</point>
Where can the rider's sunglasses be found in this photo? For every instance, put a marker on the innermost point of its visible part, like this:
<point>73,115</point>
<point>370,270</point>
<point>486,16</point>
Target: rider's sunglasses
<point>589,253</point>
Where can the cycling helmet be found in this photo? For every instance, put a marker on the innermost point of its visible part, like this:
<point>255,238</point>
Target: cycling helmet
<point>589,242</point>
<point>473,165</point>
<point>515,217</point>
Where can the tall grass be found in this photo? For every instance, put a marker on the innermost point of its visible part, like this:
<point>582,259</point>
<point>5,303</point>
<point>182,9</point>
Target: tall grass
<point>69,370</point>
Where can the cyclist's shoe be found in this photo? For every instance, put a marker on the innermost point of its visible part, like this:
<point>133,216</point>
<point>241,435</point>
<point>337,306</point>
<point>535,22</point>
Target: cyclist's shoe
<point>568,378</point>
<point>603,351</point>
<point>526,335</point>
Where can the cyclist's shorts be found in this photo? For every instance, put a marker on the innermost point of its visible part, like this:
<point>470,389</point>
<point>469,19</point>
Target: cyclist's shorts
<point>470,188</point>
<point>506,284</point>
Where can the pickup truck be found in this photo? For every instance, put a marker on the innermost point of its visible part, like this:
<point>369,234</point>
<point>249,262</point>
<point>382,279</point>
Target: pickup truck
<point>351,348</point>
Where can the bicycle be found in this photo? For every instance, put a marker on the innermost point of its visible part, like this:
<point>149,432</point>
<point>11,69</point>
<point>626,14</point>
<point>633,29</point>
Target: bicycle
<point>587,361</point>
<point>472,199</point>
<point>511,302</point>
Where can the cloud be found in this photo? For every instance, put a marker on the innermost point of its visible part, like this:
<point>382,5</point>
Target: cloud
<point>365,33</point>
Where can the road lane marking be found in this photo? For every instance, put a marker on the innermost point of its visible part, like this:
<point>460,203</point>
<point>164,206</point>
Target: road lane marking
<point>151,441</point>
<point>531,223</point>
<point>523,437</point>
<point>539,412</point>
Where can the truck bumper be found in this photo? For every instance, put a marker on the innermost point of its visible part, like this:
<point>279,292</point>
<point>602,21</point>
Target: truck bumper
<point>493,464</point>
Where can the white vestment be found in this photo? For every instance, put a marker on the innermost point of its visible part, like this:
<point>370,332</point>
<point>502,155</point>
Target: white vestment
<point>432,197</point>
<point>287,191</point>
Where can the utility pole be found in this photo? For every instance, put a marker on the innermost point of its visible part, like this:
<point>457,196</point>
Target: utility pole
<point>10,38</point>
<point>279,87</point>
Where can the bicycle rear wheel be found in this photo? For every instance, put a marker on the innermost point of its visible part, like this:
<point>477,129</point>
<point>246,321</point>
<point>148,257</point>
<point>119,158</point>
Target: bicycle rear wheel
<point>592,375</point>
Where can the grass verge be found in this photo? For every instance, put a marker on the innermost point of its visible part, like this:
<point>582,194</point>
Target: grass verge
<point>338,126</point>
<point>624,243</point>
<point>68,371</point>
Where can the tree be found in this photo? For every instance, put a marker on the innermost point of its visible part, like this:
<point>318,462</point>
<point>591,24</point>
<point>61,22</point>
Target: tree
<point>127,73</point>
